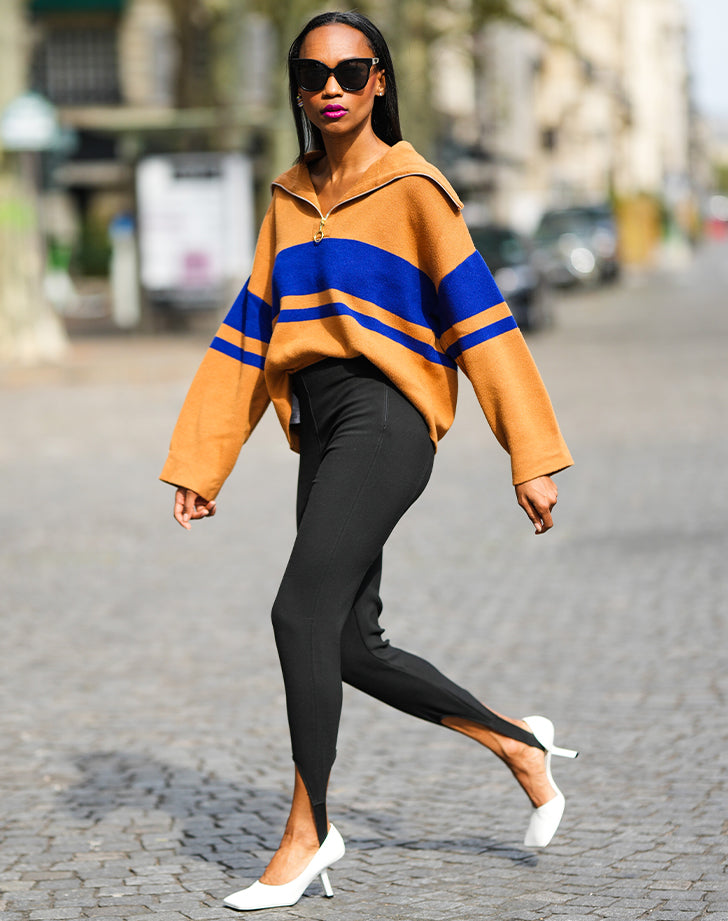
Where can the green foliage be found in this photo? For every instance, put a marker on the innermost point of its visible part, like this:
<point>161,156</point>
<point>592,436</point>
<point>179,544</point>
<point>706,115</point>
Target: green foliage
<point>721,178</point>
<point>16,214</point>
<point>93,255</point>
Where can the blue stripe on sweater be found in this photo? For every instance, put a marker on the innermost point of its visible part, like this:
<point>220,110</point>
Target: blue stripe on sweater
<point>338,309</point>
<point>361,270</point>
<point>375,275</point>
<point>467,290</point>
<point>481,335</point>
<point>250,315</point>
<point>234,351</point>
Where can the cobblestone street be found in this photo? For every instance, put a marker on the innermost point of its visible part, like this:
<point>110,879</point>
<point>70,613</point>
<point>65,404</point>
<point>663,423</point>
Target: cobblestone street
<point>145,767</point>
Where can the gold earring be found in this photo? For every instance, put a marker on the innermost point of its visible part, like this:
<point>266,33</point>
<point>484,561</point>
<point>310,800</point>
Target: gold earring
<point>299,101</point>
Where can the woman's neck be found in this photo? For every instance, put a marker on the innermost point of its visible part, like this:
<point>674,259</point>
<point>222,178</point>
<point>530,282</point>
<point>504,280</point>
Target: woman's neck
<point>345,161</point>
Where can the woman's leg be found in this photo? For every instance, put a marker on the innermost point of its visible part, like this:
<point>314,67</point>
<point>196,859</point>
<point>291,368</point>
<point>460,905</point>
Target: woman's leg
<point>366,456</point>
<point>527,763</point>
<point>409,683</point>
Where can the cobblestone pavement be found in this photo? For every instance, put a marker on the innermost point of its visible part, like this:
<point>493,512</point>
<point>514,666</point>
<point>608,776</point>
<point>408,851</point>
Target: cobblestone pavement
<point>144,764</point>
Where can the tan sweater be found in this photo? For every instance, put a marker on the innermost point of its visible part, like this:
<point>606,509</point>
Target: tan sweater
<point>390,273</point>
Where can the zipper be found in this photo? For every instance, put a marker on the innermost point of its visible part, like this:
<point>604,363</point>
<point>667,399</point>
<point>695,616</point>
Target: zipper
<point>319,234</point>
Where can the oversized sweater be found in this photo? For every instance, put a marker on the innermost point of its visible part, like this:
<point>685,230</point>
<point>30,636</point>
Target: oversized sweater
<point>390,273</point>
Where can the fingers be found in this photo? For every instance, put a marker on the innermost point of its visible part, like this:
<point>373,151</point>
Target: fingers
<point>180,498</point>
<point>546,521</point>
<point>537,498</point>
<point>189,506</point>
<point>541,520</point>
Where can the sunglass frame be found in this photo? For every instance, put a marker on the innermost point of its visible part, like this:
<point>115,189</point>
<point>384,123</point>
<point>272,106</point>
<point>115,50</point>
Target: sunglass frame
<point>327,71</point>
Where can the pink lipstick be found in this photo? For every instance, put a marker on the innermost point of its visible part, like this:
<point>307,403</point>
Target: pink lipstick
<point>334,111</point>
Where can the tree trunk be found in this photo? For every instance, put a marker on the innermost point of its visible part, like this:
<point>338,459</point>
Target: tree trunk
<point>30,331</point>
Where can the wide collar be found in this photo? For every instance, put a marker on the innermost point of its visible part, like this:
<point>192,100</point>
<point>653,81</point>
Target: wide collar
<point>399,161</point>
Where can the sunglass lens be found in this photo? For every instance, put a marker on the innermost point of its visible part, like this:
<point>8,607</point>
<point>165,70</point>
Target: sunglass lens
<point>311,76</point>
<point>352,75</point>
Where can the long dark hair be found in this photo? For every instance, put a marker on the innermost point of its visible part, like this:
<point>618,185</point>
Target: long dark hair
<point>385,114</point>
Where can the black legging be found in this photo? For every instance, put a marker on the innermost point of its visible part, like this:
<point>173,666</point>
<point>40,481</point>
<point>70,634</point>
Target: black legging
<point>366,455</point>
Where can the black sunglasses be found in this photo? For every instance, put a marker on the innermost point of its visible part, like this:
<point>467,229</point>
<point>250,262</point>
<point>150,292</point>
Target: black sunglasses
<point>352,75</point>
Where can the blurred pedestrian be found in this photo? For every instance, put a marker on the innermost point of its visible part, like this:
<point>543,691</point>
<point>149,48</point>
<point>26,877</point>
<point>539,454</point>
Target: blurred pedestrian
<point>365,296</point>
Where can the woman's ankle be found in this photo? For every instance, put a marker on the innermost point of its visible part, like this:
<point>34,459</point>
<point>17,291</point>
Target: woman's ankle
<point>300,836</point>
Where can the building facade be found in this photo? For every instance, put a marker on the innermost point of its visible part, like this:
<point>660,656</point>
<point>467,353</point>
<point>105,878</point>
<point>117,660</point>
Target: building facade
<point>586,107</point>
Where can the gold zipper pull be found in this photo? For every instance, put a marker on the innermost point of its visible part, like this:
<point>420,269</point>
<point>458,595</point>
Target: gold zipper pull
<point>319,235</point>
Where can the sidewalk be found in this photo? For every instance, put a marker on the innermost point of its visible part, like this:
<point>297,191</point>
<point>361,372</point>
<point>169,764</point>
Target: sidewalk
<point>145,768</point>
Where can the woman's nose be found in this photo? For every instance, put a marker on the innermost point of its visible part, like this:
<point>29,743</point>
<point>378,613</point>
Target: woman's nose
<point>332,87</point>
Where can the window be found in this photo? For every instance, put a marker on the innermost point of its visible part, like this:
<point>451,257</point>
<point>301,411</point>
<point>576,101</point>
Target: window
<point>78,66</point>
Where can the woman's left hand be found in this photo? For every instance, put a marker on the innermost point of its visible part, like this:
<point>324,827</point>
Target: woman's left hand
<point>537,497</point>
<point>190,506</point>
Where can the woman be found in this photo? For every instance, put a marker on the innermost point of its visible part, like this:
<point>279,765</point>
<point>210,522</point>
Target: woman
<point>365,296</point>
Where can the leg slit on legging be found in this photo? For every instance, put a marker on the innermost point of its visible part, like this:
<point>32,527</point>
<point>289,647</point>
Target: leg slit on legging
<point>497,725</point>
<point>318,809</point>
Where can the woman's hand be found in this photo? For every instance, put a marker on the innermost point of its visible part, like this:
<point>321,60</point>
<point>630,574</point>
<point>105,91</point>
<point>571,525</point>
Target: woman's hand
<point>188,506</point>
<point>537,497</point>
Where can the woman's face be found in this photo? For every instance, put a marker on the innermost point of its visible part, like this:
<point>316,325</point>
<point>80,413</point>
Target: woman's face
<point>333,110</point>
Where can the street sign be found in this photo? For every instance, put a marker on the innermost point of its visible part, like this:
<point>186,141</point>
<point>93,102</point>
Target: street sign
<point>196,233</point>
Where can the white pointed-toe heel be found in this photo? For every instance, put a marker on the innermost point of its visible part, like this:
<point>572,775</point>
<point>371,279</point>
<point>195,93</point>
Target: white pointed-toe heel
<point>261,895</point>
<point>545,819</point>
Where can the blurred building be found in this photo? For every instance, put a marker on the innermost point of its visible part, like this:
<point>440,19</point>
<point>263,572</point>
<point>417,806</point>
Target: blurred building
<point>590,105</point>
<point>128,79</point>
<point>717,144</point>
<point>575,102</point>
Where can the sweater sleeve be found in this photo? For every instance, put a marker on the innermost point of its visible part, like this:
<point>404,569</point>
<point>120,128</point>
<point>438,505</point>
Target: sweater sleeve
<point>228,394</point>
<point>477,330</point>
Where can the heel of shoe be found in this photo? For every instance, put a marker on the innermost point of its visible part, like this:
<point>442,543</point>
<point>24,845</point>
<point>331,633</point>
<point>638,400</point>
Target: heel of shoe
<point>328,891</point>
<point>543,730</point>
<point>261,895</point>
<point>545,819</point>
<point>563,752</point>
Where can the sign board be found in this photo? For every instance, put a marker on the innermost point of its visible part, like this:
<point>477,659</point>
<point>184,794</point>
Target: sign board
<point>196,225</point>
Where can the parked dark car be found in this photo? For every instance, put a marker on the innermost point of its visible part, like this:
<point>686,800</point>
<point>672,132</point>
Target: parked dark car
<point>510,258</point>
<point>577,244</point>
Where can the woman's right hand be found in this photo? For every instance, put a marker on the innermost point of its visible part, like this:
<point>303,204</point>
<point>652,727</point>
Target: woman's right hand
<point>188,507</point>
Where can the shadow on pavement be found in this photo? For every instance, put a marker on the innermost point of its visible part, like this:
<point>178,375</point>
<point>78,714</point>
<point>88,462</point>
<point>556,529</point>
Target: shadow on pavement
<point>208,817</point>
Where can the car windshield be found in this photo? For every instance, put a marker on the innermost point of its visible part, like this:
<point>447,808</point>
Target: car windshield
<point>498,246</point>
<point>577,220</point>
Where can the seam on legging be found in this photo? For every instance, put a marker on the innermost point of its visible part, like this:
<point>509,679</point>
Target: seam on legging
<point>312,699</point>
<point>422,483</point>
<point>364,479</point>
<point>310,408</point>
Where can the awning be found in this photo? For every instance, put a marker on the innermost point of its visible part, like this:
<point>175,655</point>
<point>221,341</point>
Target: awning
<point>76,6</point>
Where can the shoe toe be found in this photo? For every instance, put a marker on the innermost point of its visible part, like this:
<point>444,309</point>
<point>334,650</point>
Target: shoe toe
<point>544,822</point>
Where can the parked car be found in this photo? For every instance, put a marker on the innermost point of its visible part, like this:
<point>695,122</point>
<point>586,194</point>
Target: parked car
<point>510,258</point>
<point>577,244</point>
